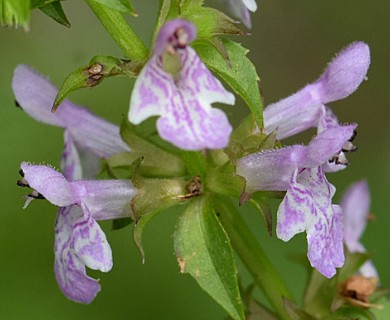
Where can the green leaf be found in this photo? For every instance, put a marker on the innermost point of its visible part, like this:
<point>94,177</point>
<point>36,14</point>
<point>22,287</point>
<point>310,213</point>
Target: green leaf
<point>209,22</point>
<point>156,161</point>
<point>241,76</point>
<point>123,6</point>
<point>15,13</point>
<point>99,68</point>
<point>54,10</point>
<point>203,250</point>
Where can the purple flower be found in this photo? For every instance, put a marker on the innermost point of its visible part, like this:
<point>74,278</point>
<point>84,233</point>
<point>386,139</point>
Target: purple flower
<point>79,240</point>
<point>241,8</point>
<point>307,205</point>
<point>355,205</point>
<point>306,108</point>
<point>176,86</point>
<point>88,136</point>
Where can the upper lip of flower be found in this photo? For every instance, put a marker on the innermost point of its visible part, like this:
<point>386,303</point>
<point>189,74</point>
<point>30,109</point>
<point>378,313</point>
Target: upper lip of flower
<point>305,108</point>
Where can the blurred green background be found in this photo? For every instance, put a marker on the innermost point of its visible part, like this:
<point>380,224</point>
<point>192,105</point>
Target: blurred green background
<point>291,43</point>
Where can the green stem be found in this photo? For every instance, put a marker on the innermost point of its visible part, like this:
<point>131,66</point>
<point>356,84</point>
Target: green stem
<point>120,31</point>
<point>253,256</point>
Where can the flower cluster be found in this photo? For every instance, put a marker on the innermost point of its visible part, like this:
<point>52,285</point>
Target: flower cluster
<point>177,87</point>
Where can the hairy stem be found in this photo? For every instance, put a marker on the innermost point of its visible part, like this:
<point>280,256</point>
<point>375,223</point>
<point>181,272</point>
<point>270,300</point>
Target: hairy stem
<point>253,256</point>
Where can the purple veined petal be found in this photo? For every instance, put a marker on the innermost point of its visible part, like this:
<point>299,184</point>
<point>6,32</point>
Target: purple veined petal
<point>36,94</point>
<point>167,31</point>
<point>297,211</point>
<point>105,199</point>
<point>304,109</point>
<point>307,206</point>
<point>90,243</point>
<point>327,119</point>
<point>70,159</point>
<point>270,169</point>
<point>76,234</point>
<point>49,183</point>
<point>293,114</point>
<point>345,72</point>
<point>356,205</point>
<point>184,105</point>
<point>241,8</point>
<point>325,245</point>
<point>327,144</point>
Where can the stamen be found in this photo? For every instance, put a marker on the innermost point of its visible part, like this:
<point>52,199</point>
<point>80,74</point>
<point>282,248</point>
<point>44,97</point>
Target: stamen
<point>349,147</point>
<point>36,195</point>
<point>23,183</point>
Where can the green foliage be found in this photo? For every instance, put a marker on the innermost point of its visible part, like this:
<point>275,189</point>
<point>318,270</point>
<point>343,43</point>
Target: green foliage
<point>98,69</point>
<point>156,161</point>
<point>15,13</point>
<point>54,10</point>
<point>240,75</point>
<point>203,250</point>
<point>209,22</point>
<point>123,6</point>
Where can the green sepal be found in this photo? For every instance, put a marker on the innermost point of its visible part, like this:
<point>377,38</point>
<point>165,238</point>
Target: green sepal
<point>295,312</point>
<point>241,75</point>
<point>247,139</point>
<point>55,11</point>
<point>123,6</point>
<point>153,197</point>
<point>209,22</point>
<point>99,68</point>
<point>15,13</point>
<point>156,161</point>
<point>203,250</point>
<point>224,180</point>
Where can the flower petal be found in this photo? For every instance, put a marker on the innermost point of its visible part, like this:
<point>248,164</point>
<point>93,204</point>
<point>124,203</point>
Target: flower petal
<point>105,199</point>
<point>304,109</point>
<point>70,159</point>
<point>307,206</point>
<point>327,144</point>
<point>184,104</point>
<point>293,114</point>
<point>166,32</point>
<point>345,73</point>
<point>270,169</point>
<point>36,94</point>
<point>239,9</point>
<point>356,205</point>
<point>79,241</point>
<point>50,183</point>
